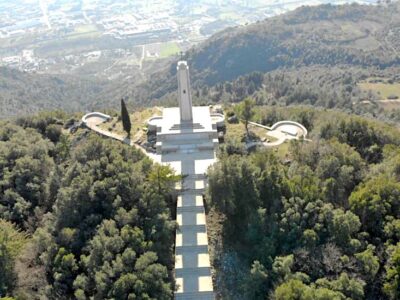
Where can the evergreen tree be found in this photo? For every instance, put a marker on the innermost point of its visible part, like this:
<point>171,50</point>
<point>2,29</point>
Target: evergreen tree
<point>126,121</point>
<point>12,242</point>
<point>245,110</point>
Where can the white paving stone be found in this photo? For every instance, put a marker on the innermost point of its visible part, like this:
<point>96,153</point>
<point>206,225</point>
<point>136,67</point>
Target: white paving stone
<point>178,262</point>
<point>199,200</point>
<point>179,283</point>
<point>205,284</point>
<point>202,239</point>
<point>201,219</point>
<point>179,219</point>
<point>203,260</point>
<point>199,184</point>
<point>178,242</point>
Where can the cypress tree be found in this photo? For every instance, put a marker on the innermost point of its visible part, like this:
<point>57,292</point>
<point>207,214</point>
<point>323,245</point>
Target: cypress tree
<point>126,121</point>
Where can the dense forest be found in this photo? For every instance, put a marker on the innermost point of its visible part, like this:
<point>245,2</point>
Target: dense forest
<point>81,216</point>
<point>22,93</point>
<point>85,217</point>
<point>319,223</point>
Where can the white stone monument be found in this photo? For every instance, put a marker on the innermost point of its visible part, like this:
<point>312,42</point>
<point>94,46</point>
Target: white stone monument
<point>184,93</point>
<point>187,128</point>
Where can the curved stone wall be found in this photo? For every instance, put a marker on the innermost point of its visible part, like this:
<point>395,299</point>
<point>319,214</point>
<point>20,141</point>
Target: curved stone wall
<point>153,123</point>
<point>292,123</point>
<point>99,115</point>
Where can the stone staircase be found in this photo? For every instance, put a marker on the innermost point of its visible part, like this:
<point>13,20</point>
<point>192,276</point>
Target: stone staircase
<point>195,296</point>
<point>187,126</point>
<point>192,261</point>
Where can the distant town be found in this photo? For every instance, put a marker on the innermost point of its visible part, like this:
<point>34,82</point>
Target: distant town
<point>105,38</point>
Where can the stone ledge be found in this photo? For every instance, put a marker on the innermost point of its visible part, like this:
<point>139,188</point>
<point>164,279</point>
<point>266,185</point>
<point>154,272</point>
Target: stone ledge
<point>193,272</point>
<point>195,296</point>
<point>194,209</point>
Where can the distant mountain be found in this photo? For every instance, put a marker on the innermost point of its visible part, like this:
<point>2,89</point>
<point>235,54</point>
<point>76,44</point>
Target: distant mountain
<point>327,35</point>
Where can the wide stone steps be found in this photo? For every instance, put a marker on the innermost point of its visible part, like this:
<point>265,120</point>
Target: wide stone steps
<point>195,272</point>
<point>194,177</point>
<point>191,228</point>
<point>187,126</point>
<point>191,191</point>
<point>195,296</point>
<point>191,249</point>
<point>194,209</point>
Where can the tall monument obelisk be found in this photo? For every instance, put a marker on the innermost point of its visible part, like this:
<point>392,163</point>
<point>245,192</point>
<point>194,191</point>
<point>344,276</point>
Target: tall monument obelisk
<point>184,93</point>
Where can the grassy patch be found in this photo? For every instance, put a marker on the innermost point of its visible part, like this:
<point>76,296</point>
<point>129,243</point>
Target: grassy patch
<point>169,49</point>
<point>350,30</point>
<point>262,133</point>
<point>84,31</point>
<point>283,150</point>
<point>235,131</point>
<point>383,89</point>
<point>238,131</point>
<point>390,105</point>
<point>138,121</point>
<point>229,15</point>
<point>85,28</point>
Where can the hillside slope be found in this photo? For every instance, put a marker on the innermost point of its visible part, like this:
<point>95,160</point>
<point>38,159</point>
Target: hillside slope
<point>354,35</point>
<point>23,93</point>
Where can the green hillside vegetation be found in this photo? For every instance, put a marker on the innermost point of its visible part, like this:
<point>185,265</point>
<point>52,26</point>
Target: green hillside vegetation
<point>337,87</point>
<point>12,241</point>
<point>351,35</point>
<point>91,217</point>
<point>320,223</point>
<point>318,56</point>
<point>101,222</point>
<point>313,55</point>
<point>22,93</point>
<point>322,35</point>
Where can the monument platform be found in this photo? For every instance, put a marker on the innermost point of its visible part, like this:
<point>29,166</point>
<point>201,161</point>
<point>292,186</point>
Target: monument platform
<point>175,135</point>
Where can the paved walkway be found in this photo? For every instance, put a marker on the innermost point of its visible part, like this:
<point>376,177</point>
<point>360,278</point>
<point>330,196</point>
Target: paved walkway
<point>192,261</point>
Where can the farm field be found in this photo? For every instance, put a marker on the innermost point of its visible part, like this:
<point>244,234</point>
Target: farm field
<point>387,92</point>
<point>382,89</point>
